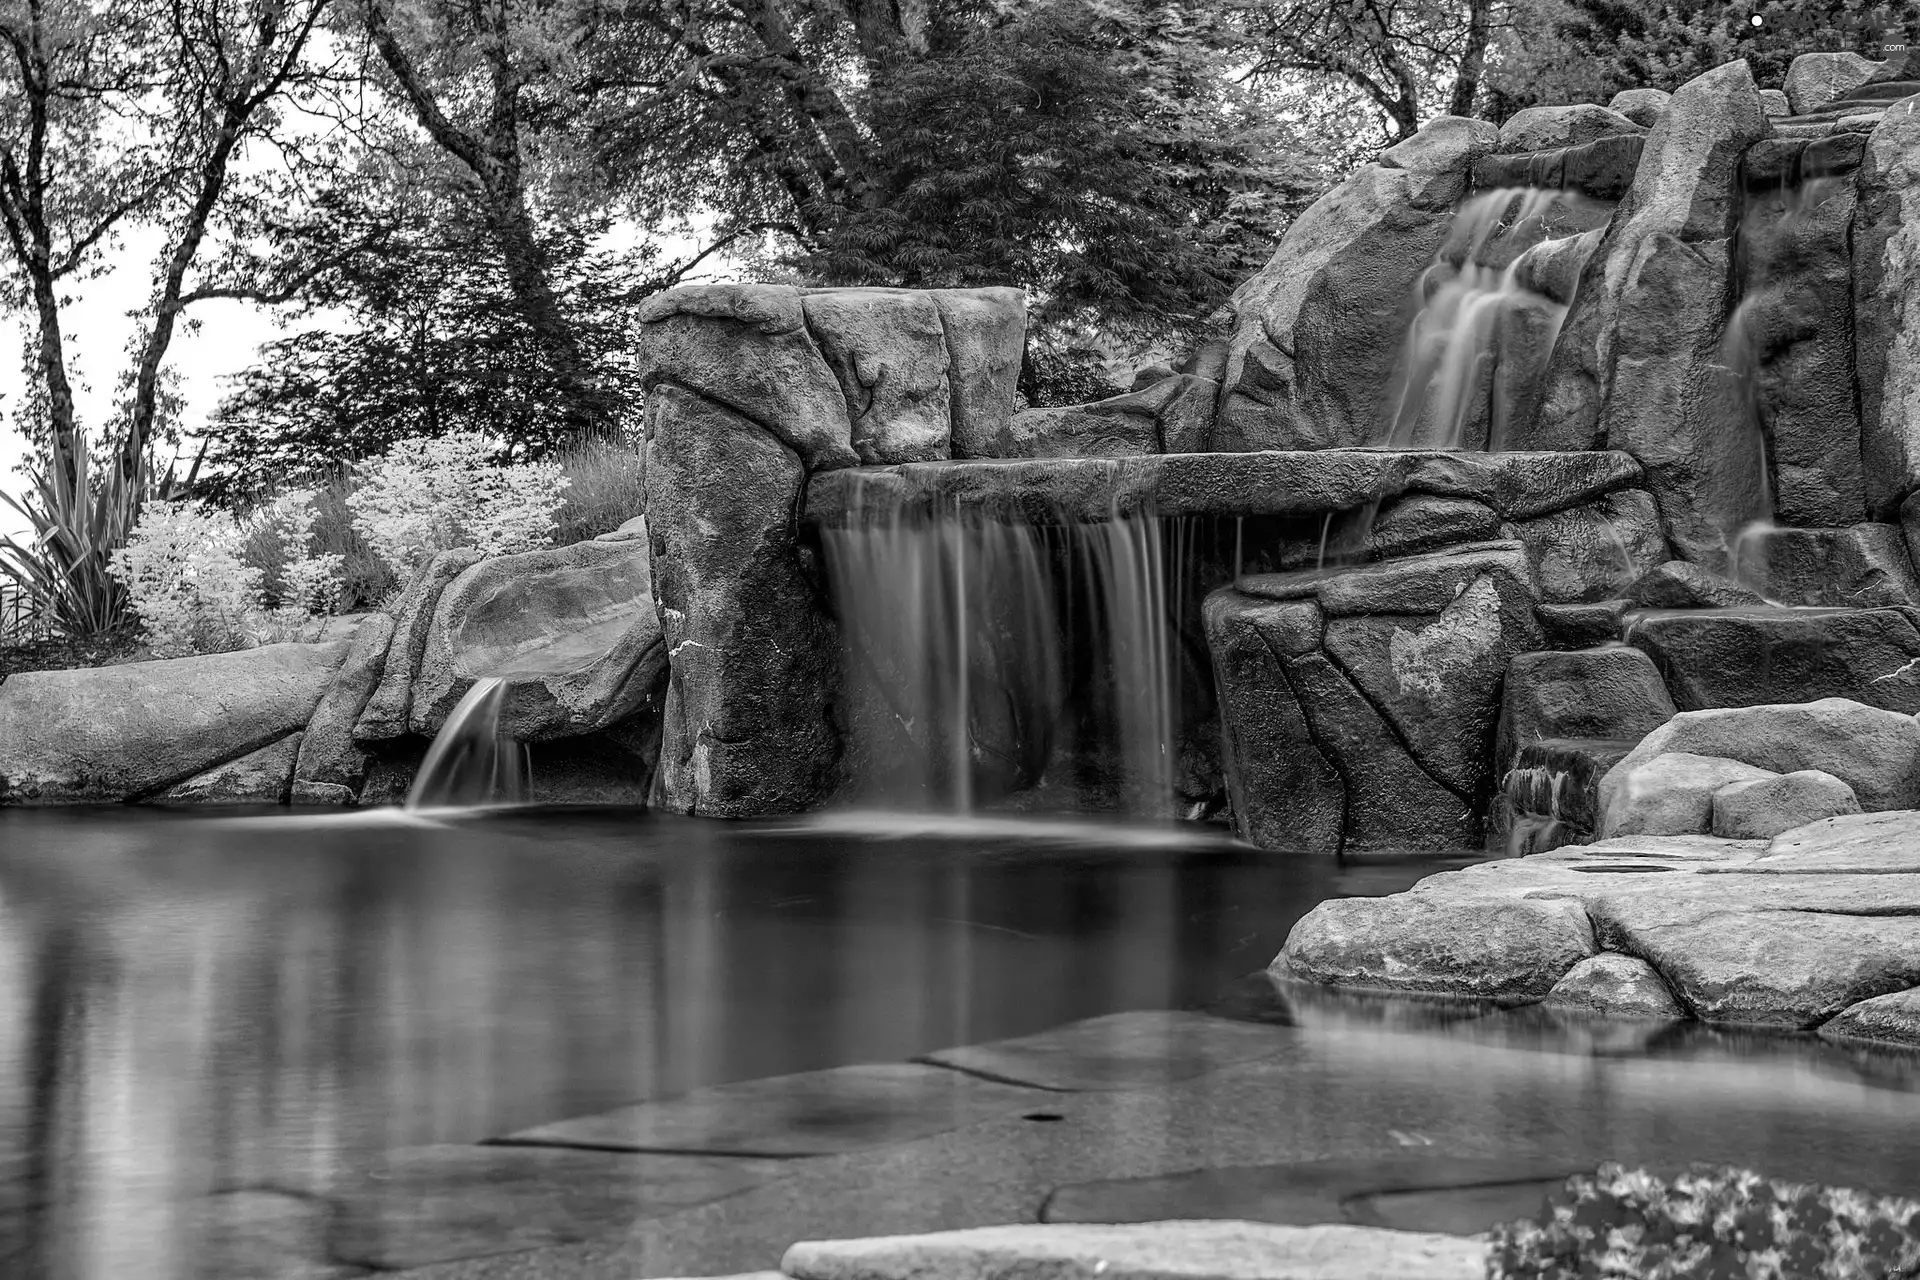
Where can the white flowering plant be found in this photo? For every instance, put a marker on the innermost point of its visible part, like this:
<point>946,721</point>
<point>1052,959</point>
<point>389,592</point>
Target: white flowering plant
<point>195,579</point>
<point>429,494</point>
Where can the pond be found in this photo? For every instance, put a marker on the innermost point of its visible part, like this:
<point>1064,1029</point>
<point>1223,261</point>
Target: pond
<point>195,1002</point>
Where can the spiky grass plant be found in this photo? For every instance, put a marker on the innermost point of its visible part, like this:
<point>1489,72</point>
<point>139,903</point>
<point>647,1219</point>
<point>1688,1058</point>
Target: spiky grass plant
<point>64,565</point>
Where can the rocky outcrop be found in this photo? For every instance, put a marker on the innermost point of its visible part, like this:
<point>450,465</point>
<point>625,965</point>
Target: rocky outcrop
<point>1861,567</point>
<point>1358,706</point>
<point>129,732</point>
<point>1886,307</point>
<point>1795,934</point>
<point>1315,334</point>
<point>752,652</point>
<point>1636,361</point>
<point>1596,551</point>
<point>1739,657</point>
<point>571,630</point>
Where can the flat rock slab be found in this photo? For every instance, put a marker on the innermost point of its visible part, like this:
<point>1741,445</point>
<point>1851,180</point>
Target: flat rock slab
<point>1118,1051</point>
<point>812,1113</point>
<point>1276,482</point>
<point>1788,934</point>
<point>1159,1251</point>
<point>424,1205</point>
<point>1458,1196</point>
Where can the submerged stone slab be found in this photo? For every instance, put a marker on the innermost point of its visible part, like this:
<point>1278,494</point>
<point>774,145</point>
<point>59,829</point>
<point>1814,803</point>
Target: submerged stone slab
<point>1117,1051</point>
<point>1153,1251</point>
<point>1888,1019</point>
<point>128,731</point>
<point>1750,655</point>
<point>812,1113</point>
<point>1517,485</point>
<point>420,1206</point>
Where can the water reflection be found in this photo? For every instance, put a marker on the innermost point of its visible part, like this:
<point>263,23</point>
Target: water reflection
<point>190,1006</point>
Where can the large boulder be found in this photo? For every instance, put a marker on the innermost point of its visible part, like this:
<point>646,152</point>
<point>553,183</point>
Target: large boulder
<point>1669,794</point>
<point>1815,79</point>
<point>1642,106</point>
<point>1737,657</point>
<point>753,654</point>
<point>1594,552</point>
<point>1611,985</point>
<point>1538,128</point>
<point>1886,307</point>
<point>1861,566</point>
<point>571,630</point>
<point>1172,415</point>
<point>1874,751</point>
<point>383,713</point>
<point>131,731</point>
<point>331,765</point>
<point>1316,333</point>
<point>1763,808</point>
<point>844,376</point>
<point>259,777</point>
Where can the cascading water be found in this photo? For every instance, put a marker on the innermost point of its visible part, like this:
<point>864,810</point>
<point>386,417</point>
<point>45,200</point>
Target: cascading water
<point>986,657</point>
<point>1477,349</point>
<point>471,762</point>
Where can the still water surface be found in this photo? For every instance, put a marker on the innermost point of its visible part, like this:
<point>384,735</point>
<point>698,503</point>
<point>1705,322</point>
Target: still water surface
<point>188,1002</point>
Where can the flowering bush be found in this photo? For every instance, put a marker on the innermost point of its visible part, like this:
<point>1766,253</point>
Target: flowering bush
<point>199,580</point>
<point>186,582</point>
<point>428,494</point>
<point>1621,1224</point>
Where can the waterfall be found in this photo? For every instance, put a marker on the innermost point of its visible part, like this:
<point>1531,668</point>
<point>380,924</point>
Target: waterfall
<point>985,658</point>
<point>1476,353</point>
<point>471,762</point>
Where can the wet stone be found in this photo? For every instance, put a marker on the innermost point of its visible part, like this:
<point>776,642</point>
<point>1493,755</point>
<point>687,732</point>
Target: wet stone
<point>1615,986</point>
<point>1888,1019</point>
<point>1118,1051</point>
<point>812,1113</point>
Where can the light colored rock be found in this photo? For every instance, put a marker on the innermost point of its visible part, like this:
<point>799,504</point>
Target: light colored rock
<point>1761,810</point>
<point>1816,79</point>
<point>1885,843</point>
<point>1615,986</point>
<point>1668,794</point>
<point>1775,101</point>
<point>1875,752</point>
<point>1208,1250</point>
<point>1888,1019</point>
<point>634,530</point>
<point>259,777</point>
<point>1117,1051</point>
<point>986,339</point>
<point>1504,947</point>
<point>130,731</point>
<point>1642,106</point>
<point>1886,306</point>
<point>572,630</point>
<point>1316,332</point>
<point>1538,128</point>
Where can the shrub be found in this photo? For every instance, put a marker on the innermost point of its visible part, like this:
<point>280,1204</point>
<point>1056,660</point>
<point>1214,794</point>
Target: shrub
<point>604,489</point>
<point>1621,1224</point>
<point>186,581</point>
<point>427,495</point>
<point>65,568</point>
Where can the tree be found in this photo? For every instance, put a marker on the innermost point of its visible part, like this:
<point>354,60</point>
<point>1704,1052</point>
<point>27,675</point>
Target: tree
<point>1407,60</point>
<point>1589,50</point>
<point>1095,152</point>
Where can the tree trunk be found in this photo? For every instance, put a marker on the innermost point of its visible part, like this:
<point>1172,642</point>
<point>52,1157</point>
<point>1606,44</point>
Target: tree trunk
<point>1473,58</point>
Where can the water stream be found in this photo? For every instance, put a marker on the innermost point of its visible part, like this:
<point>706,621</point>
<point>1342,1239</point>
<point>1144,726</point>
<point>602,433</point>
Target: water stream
<point>471,762</point>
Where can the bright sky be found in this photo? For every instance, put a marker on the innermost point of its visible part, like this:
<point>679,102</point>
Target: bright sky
<point>97,331</point>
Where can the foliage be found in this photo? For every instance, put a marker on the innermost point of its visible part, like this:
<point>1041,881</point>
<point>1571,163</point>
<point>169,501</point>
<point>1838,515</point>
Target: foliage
<point>1621,1224</point>
<point>1589,50</point>
<point>1403,61</point>
<point>65,566</point>
<point>605,489</point>
<point>295,582</point>
<point>425,495</point>
<point>185,578</point>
